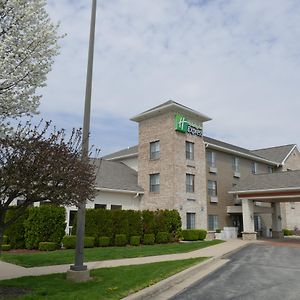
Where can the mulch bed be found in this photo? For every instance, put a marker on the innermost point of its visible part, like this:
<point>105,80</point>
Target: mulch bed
<point>8,292</point>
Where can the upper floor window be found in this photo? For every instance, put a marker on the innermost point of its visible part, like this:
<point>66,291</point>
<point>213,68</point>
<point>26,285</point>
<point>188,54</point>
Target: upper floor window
<point>154,150</point>
<point>154,182</point>
<point>211,158</point>
<point>236,164</point>
<point>190,183</point>
<point>189,150</point>
<point>190,220</point>
<point>270,169</point>
<point>212,188</point>
<point>254,167</point>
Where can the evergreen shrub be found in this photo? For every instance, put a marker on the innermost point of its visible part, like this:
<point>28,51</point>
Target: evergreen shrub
<point>104,241</point>
<point>135,240</point>
<point>120,239</point>
<point>47,246</point>
<point>149,239</point>
<point>162,237</point>
<point>5,247</point>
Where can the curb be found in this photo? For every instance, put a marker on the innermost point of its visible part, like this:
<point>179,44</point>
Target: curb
<point>178,282</point>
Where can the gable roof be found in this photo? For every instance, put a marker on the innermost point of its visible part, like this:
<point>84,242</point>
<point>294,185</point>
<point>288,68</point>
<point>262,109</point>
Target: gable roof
<point>287,180</point>
<point>278,153</point>
<point>170,106</point>
<point>116,176</point>
<point>127,152</point>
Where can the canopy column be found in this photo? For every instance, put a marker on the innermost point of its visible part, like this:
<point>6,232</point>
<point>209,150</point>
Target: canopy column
<point>276,221</point>
<point>248,220</point>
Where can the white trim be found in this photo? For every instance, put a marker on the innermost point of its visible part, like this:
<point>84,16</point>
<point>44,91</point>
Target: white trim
<point>118,191</point>
<point>122,156</point>
<point>295,146</point>
<point>265,190</point>
<point>274,197</point>
<point>224,149</point>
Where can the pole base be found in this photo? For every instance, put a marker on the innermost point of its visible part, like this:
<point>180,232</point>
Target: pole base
<point>78,276</point>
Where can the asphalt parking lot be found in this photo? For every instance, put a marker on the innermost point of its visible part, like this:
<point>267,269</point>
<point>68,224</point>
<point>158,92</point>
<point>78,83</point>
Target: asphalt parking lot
<point>268,270</point>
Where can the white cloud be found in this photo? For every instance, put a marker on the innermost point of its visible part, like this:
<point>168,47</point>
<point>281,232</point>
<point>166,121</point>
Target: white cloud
<point>236,61</point>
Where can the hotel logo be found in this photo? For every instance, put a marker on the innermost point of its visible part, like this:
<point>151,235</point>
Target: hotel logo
<point>182,124</point>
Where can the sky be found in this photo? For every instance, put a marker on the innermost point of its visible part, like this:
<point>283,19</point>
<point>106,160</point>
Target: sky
<point>236,61</point>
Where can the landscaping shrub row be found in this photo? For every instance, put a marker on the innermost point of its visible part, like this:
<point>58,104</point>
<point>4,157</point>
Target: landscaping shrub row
<point>287,232</point>
<point>109,223</point>
<point>194,234</point>
<point>69,241</point>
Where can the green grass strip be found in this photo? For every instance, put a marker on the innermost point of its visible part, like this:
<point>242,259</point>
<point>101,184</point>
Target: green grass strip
<point>107,283</point>
<point>99,254</point>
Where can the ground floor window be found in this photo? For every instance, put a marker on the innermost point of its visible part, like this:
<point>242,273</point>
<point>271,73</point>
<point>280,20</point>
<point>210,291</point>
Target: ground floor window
<point>116,207</point>
<point>72,215</point>
<point>213,222</point>
<point>190,220</point>
<point>97,206</point>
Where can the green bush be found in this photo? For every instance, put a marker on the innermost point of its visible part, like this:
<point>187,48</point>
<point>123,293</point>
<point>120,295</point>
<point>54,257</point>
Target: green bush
<point>190,235</point>
<point>69,241</point>
<point>16,231</point>
<point>5,247</point>
<point>45,223</point>
<point>120,239</point>
<point>162,237</point>
<point>149,239</point>
<point>120,222</point>
<point>47,246</point>
<point>104,241</point>
<point>135,240</point>
<point>5,240</point>
<point>218,230</point>
<point>287,232</point>
<point>135,225</point>
<point>173,222</point>
<point>202,234</point>
<point>89,242</point>
<point>148,221</point>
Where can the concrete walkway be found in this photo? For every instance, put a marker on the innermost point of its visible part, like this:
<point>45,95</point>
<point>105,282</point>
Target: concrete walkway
<point>9,271</point>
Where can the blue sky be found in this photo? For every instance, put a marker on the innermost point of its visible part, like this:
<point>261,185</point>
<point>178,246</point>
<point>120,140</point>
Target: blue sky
<point>235,61</point>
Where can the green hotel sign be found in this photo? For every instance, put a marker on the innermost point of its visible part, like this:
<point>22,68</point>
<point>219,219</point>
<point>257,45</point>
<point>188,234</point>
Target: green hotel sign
<point>182,124</point>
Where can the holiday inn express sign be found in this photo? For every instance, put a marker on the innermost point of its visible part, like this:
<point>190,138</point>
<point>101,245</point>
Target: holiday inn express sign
<point>182,124</point>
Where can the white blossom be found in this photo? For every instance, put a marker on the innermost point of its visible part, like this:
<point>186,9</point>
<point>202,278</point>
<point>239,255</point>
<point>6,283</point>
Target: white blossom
<point>28,44</point>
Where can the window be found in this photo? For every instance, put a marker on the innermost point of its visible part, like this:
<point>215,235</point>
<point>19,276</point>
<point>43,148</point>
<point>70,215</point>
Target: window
<point>154,150</point>
<point>72,215</point>
<point>189,150</point>
<point>100,206</point>
<point>211,159</point>
<point>254,168</point>
<point>190,183</point>
<point>212,188</point>
<point>154,183</point>
<point>20,202</point>
<point>270,169</point>
<point>190,220</point>
<point>236,164</point>
<point>116,207</point>
<point>213,222</point>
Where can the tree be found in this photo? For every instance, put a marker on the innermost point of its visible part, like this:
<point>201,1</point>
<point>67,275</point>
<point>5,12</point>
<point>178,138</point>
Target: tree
<point>28,44</point>
<point>38,165</point>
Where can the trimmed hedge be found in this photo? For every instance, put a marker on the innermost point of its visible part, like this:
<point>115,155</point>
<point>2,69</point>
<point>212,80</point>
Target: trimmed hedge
<point>5,240</point>
<point>135,240</point>
<point>162,237</point>
<point>16,231</point>
<point>149,239</point>
<point>120,239</point>
<point>69,241</point>
<point>104,241</point>
<point>287,232</point>
<point>89,242</point>
<point>45,223</point>
<point>47,246</point>
<point>5,247</point>
<point>194,234</point>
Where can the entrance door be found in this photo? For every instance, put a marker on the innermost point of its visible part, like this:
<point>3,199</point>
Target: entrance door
<point>237,221</point>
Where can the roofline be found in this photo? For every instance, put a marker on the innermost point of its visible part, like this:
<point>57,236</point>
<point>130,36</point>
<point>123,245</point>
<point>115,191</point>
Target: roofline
<point>173,104</point>
<point>264,190</point>
<point>118,191</point>
<point>122,156</point>
<point>295,146</point>
<point>213,146</point>
<point>274,197</point>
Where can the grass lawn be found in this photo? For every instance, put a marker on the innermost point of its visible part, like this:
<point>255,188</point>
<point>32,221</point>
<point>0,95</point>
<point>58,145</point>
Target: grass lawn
<point>107,283</point>
<point>97,254</point>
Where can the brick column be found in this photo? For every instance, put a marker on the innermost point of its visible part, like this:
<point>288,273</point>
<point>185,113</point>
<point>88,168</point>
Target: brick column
<point>276,221</point>
<point>248,220</point>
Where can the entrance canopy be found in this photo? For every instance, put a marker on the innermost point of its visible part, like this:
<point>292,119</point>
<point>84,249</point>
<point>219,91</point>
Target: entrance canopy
<point>270,187</point>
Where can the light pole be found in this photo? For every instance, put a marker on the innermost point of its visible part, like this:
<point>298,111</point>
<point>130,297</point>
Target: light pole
<point>79,271</point>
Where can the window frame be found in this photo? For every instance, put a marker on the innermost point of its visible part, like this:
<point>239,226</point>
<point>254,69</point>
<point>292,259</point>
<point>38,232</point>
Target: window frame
<point>190,183</point>
<point>254,167</point>
<point>213,222</point>
<point>189,150</point>
<point>154,187</point>
<point>154,150</point>
<point>236,164</point>
<point>212,191</point>
<point>211,160</point>
<point>190,220</point>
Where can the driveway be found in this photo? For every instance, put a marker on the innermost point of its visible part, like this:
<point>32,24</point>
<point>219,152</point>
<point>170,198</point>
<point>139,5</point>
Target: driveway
<point>268,270</point>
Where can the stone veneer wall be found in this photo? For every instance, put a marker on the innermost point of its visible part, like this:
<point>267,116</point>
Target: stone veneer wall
<point>173,167</point>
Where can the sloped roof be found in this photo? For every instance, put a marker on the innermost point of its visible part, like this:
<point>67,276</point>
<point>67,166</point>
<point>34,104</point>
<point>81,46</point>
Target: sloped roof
<point>278,153</point>
<point>269,181</point>
<point>116,176</point>
<point>123,153</point>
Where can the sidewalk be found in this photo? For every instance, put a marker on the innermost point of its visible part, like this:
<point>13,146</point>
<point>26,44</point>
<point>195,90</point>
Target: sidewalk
<point>9,271</point>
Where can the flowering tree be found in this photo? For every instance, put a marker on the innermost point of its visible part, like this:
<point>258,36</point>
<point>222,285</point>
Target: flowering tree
<point>28,44</point>
<point>38,165</point>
